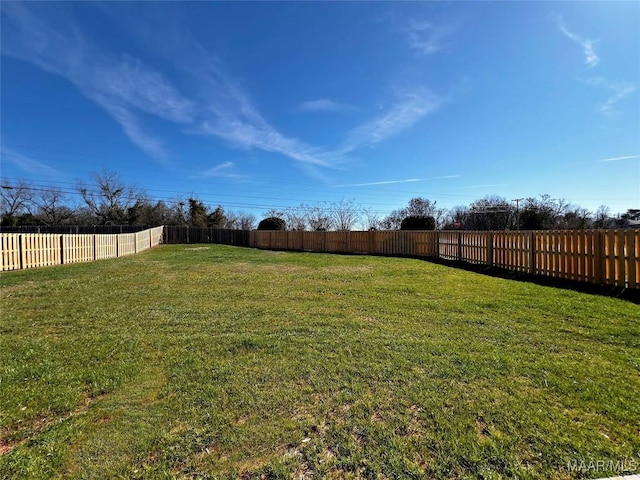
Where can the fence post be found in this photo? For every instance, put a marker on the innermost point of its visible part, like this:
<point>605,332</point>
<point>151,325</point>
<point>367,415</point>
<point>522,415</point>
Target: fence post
<point>95,247</point>
<point>61,249</point>
<point>490,249</point>
<point>532,253</point>
<point>598,260</point>
<point>620,262</point>
<point>459,246</point>
<point>630,246</point>
<point>21,249</point>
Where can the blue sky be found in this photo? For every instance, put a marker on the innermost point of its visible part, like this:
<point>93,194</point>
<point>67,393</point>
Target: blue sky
<point>260,105</point>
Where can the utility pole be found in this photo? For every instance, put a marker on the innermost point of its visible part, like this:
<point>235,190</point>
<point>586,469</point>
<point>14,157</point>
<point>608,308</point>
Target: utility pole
<point>517,200</point>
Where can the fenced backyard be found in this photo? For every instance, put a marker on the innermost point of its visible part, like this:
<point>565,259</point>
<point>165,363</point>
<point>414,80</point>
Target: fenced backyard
<point>213,361</point>
<point>600,257</point>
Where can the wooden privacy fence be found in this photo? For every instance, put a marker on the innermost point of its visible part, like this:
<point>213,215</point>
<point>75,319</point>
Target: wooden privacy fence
<point>174,234</point>
<point>31,250</point>
<point>604,257</point>
<point>421,244</point>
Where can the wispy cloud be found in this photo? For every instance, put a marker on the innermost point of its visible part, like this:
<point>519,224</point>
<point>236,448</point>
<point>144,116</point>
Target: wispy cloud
<point>384,182</point>
<point>135,84</point>
<point>619,91</point>
<point>391,182</point>
<point>425,37</point>
<point>221,171</point>
<point>27,164</point>
<point>325,105</point>
<point>218,169</point>
<point>244,134</point>
<point>406,112</point>
<point>487,185</point>
<point>124,87</point>
<point>121,85</point>
<point>132,128</point>
<point>618,159</point>
<point>228,113</point>
<point>590,56</point>
<point>129,89</point>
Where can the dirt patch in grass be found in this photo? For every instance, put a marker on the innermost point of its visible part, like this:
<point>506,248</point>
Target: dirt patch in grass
<point>6,446</point>
<point>28,430</point>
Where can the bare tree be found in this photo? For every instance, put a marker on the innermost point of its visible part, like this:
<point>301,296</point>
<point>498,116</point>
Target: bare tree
<point>440,215</point>
<point>239,221</point>
<point>319,218</point>
<point>371,219</point>
<point>15,199</point>
<point>603,217</point>
<point>108,198</point>
<point>50,206</point>
<point>575,218</point>
<point>544,213</point>
<point>231,221</point>
<point>345,214</point>
<point>295,218</point>
<point>276,213</point>
<point>246,221</point>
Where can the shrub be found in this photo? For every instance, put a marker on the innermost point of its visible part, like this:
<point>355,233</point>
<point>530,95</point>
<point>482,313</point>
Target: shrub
<point>418,222</point>
<point>272,223</point>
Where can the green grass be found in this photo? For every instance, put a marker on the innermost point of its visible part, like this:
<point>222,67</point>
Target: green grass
<point>222,362</point>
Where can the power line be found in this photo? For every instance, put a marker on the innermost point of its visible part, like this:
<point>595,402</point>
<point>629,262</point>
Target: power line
<point>297,200</point>
<point>262,206</point>
<point>248,201</point>
<point>216,196</point>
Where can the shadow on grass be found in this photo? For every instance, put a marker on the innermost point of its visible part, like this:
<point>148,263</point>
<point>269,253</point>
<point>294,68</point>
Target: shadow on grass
<point>630,294</point>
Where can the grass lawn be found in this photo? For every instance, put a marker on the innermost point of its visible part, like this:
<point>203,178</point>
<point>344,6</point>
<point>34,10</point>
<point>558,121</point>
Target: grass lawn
<point>207,361</point>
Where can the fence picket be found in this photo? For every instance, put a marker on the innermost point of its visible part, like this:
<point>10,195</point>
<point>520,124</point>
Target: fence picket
<point>592,256</point>
<point>33,250</point>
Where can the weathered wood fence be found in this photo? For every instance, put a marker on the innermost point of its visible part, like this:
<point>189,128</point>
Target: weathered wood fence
<point>31,250</point>
<point>602,257</point>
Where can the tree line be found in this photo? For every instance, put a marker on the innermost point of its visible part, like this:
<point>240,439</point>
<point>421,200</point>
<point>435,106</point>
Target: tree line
<point>107,200</point>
